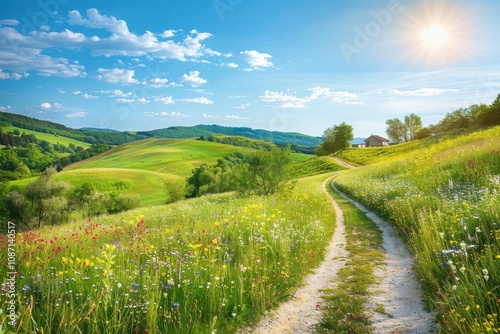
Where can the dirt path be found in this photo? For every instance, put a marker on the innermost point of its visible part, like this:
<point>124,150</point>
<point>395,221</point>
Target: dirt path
<point>398,292</point>
<point>301,313</point>
<point>342,163</point>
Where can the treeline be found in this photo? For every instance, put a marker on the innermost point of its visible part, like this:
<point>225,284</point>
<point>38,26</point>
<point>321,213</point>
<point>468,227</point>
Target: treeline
<point>25,155</point>
<point>48,201</point>
<point>239,141</point>
<point>476,115</point>
<point>299,142</point>
<point>263,172</point>
<point>90,136</point>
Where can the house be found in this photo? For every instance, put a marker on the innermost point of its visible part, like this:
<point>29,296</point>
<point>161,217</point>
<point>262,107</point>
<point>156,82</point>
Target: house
<point>375,140</point>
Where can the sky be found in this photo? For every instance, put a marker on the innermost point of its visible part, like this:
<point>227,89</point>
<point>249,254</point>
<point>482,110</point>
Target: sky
<point>293,66</point>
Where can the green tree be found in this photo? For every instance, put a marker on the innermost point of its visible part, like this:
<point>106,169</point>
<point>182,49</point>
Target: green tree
<point>266,172</point>
<point>82,197</point>
<point>336,138</point>
<point>176,190</point>
<point>413,124</point>
<point>41,193</point>
<point>395,130</point>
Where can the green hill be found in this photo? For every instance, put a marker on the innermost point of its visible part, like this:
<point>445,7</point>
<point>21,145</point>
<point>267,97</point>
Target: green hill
<point>169,156</point>
<point>142,167</point>
<point>113,137</point>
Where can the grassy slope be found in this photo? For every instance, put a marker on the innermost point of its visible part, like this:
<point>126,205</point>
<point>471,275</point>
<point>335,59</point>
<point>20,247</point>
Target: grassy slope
<point>144,165</point>
<point>442,195</point>
<point>171,156</point>
<point>47,137</point>
<point>369,155</point>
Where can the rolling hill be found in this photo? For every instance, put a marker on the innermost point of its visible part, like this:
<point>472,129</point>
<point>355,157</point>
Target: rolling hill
<point>112,137</point>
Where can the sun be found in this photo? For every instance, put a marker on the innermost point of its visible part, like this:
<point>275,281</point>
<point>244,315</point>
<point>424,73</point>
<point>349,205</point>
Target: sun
<point>436,37</point>
<point>437,33</point>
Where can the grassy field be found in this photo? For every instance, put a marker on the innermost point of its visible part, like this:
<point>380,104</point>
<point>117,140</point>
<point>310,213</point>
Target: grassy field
<point>171,156</point>
<point>210,264</point>
<point>444,199</point>
<point>53,139</point>
<point>142,167</point>
<point>370,155</point>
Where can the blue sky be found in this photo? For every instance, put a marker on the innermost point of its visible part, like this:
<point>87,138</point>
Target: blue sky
<point>278,65</point>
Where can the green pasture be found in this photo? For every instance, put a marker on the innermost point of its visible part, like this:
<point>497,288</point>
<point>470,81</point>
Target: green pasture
<point>53,139</point>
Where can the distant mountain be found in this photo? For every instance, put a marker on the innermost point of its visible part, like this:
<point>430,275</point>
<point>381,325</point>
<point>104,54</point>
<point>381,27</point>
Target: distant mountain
<point>279,138</point>
<point>357,140</point>
<point>113,137</point>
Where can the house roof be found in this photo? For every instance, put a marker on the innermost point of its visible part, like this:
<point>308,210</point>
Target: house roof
<point>377,137</point>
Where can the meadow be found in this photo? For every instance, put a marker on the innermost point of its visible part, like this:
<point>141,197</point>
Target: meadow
<point>444,199</point>
<point>210,264</point>
<point>53,139</point>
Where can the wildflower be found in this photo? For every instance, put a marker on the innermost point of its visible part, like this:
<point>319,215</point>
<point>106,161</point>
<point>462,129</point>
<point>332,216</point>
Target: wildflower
<point>176,304</point>
<point>485,271</point>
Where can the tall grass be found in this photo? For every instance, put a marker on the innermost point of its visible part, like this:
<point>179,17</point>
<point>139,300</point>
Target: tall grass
<point>205,265</point>
<point>445,201</point>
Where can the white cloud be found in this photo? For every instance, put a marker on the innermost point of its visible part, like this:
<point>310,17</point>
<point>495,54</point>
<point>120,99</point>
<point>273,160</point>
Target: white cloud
<point>237,97</point>
<point>116,75</point>
<point>200,100</point>
<point>354,103</point>
<point>91,97</point>
<point>12,75</point>
<point>9,22</point>
<point>133,101</point>
<point>27,55</point>
<point>122,42</point>
<point>235,117</point>
<point>5,108</point>
<point>157,82</point>
<point>165,114</point>
<point>230,65</point>
<point>422,92</point>
<point>286,100</point>
<point>243,106</point>
<point>211,116</point>
<point>257,60</point>
<point>324,92</point>
<point>76,114</point>
<point>168,33</point>
<point>76,92</point>
<point>116,93</point>
<point>46,105</point>
<point>193,79</point>
<point>291,101</point>
<point>164,99</point>
<point>229,117</point>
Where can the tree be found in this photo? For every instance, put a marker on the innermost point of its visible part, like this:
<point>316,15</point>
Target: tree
<point>176,190</point>
<point>41,193</point>
<point>266,172</point>
<point>337,138</point>
<point>82,197</point>
<point>413,123</point>
<point>395,130</point>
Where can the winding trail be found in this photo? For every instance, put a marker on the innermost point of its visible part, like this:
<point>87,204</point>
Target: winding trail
<point>301,313</point>
<point>399,291</point>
